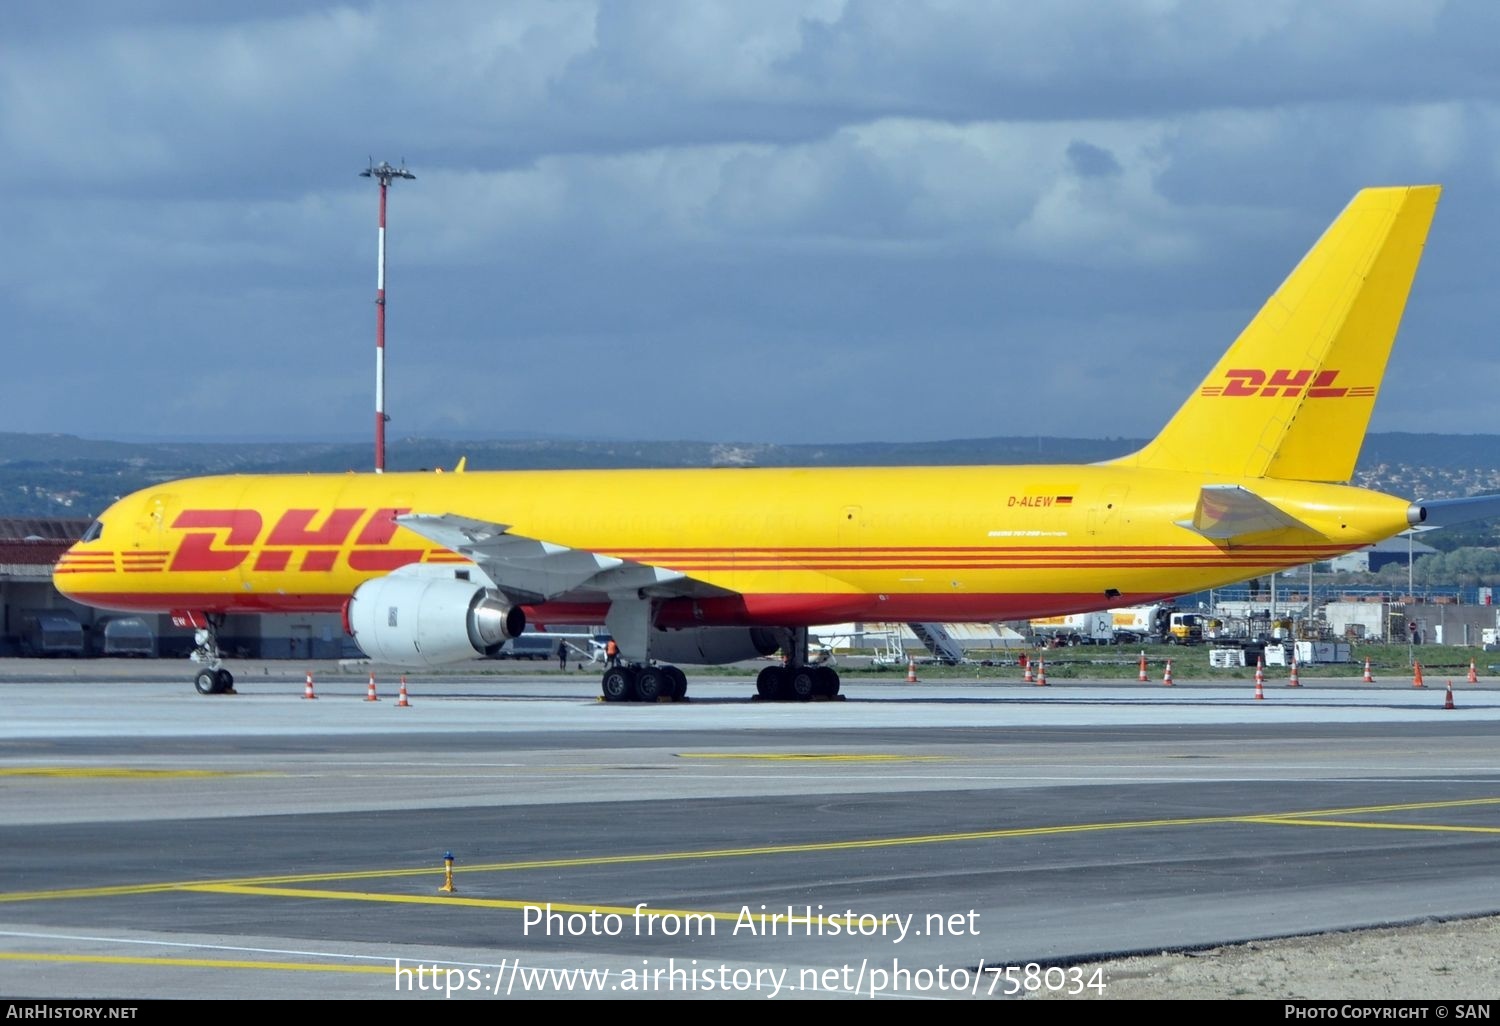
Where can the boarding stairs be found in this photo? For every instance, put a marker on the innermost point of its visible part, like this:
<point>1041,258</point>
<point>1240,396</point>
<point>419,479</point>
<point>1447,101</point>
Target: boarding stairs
<point>939,642</point>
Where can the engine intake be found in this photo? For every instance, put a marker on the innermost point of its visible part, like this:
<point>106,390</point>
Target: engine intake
<point>412,621</point>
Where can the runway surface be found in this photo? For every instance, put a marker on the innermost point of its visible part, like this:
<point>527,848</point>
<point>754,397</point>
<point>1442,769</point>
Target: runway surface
<point>908,841</point>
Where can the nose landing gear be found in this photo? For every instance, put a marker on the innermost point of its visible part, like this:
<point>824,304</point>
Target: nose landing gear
<point>213,679</point>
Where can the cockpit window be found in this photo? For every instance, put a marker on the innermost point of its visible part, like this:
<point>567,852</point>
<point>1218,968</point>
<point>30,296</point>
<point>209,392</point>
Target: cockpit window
<point>95,530</point>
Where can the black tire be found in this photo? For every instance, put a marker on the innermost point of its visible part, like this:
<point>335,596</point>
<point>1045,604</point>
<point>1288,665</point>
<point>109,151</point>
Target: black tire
<point>803,684</point>
<point>651,683</point>
<point>825,681</point>
<point>226,682</point>
<point>208,682</point>
<point>618,685</point>
<point>768,682</point>
<point>679,682</point>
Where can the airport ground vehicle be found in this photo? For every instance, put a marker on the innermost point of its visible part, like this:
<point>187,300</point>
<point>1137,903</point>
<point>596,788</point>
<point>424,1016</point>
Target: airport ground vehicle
<point>124,636</point>
<point>51,632</point>
<point>1158,623</point>
<point>529,646</point>
<point>1076,629</point>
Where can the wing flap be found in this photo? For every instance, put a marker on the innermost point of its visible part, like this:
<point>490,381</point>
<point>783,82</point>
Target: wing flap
<point>531,570</point>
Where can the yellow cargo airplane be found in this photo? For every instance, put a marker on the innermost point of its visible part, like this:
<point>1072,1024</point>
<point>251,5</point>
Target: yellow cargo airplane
<point>716,565</point>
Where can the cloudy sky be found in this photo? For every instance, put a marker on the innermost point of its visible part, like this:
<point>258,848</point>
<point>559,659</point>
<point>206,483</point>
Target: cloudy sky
<point>815,221</point>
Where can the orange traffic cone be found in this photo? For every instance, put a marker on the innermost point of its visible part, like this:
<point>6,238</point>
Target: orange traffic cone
<point>1166,677</point>
<point>1416,681</point>
<point>1368,679</point>
<point>911,671</point>
<point>1260,678</point>
<point>1041,673</point>
<point>371,696</point>
<point>1260,689</point>
<point>1473,673</point>
<point>401,702</point>
<point>308,691</point>
<point>1293,682</point>
<point>1028,677</point>
<point>1143,677</point>
<point>1448,702</point>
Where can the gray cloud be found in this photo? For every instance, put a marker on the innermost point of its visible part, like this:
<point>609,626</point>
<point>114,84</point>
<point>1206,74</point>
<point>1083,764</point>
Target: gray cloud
<point>781,221</point>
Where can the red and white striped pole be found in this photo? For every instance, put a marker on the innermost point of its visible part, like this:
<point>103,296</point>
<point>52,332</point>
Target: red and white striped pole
<point>383,173</point>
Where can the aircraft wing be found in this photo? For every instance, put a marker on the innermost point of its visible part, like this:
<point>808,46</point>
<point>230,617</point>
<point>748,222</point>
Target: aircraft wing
<point>532,570</point>
<point>1447,512</point>
<point>1227,512</point>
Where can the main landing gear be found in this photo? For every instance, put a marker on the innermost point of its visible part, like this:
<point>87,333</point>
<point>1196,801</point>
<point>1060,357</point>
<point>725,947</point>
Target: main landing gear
<point>668,683</point>
<point>644,684</point>
<point>796,683</point>
<point>795,680</point>
<point>213,679</point>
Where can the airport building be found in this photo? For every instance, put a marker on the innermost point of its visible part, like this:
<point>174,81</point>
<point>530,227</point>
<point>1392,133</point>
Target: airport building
<point>31,609</point>
<point>37,620</point>
<point>1372,558</point>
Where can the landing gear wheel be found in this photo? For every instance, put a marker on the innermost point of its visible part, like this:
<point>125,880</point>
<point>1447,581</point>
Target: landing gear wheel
<point>825,682</point>
<point>768,682</point>
<point>651,683</point>
<point>679,682</point>
<point>804,684</point>
<point>208,682</point>
<point>226,682</point>
<point>618,684</point>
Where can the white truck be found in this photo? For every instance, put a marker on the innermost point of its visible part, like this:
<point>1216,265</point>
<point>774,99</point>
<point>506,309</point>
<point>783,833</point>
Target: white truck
<point>1095,628</point>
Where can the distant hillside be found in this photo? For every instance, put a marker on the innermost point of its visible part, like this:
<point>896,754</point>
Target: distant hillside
<point>63,475</point>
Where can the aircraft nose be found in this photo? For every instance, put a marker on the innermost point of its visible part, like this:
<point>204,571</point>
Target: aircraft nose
<point>79,563</point>
<point>64,570</point>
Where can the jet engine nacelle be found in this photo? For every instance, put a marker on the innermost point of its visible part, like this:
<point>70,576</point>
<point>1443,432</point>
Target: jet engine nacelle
<point>412,621</point>
<point>709,646</point>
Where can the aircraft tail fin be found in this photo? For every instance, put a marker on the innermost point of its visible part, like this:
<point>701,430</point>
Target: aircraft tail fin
<point>1292,397</point>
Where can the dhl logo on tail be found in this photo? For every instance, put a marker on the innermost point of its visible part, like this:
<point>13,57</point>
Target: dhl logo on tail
<point>1283,382</point>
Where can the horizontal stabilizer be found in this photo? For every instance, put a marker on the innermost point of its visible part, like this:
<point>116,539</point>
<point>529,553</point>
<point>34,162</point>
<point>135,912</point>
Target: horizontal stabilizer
<point>1447,512</point>
<point>1227,512</point>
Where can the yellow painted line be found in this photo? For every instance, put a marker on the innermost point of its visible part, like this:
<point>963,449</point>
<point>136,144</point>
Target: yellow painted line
<point>624,911</point>
<point>456,899</point>
<point>119,890</point>
<point>810,756</point>
<point>394,899</point>
<point>192,963</point>
<point>267,884</point>
<point>1361,810</point>
<point>1297,821</point>
<point>121,772</point>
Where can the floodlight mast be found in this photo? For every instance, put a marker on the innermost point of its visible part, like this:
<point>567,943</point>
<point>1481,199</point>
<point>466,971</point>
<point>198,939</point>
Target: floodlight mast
<point>383,173</point>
